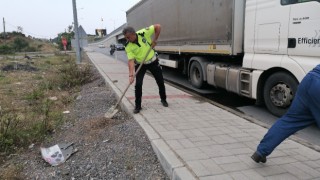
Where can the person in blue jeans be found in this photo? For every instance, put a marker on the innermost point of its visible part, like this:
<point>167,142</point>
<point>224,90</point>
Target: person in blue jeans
<point>303,112</point>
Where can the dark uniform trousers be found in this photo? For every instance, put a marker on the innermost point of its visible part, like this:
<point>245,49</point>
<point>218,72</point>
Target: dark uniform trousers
<point>303,112</point>
<point>156,71</point>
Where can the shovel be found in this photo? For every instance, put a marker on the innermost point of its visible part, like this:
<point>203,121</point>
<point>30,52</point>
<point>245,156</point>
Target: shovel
<point>114,109</point>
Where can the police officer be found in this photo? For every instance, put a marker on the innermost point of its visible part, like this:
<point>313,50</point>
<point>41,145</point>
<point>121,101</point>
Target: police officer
<point>137,46</point>
<point>303,112</point>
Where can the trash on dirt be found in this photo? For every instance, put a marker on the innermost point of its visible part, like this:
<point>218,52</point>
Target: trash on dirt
<point>57,154</point>
<point>66,112</point>
<point>54,98</point>
<point>31,146</point>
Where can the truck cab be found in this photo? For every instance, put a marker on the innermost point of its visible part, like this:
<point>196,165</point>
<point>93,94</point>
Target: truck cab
<point>282,43</point>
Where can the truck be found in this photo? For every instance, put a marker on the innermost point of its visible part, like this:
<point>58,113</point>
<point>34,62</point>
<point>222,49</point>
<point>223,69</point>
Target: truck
<point>260,49</point>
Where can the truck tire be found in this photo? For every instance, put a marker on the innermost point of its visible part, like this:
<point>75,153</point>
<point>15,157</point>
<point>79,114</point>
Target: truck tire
<point>196,75</point>
<point>279,92</point>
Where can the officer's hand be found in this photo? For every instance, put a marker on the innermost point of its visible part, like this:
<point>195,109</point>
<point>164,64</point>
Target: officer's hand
<point>131,79</point>
<point>153,44</point>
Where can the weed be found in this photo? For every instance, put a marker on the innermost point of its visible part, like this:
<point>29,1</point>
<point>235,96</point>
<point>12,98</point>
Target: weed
<point>72,75</point>
<point>8,125</point>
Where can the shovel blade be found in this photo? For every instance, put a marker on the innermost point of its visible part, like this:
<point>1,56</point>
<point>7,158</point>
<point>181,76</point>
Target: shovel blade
<point>111,112</point>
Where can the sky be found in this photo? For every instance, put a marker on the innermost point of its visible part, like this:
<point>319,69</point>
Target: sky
<point>48,18</point>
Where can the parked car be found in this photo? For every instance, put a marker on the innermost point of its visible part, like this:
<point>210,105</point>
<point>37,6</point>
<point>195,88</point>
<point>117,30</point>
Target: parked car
<point>101,46</point>
<point>119,47</point>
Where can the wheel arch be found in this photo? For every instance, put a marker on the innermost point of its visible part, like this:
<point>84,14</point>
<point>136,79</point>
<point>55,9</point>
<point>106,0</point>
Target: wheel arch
<point>203,62</point>
<point>263,78</point>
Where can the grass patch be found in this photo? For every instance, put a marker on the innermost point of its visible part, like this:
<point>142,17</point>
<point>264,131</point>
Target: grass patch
<point>28,113</point>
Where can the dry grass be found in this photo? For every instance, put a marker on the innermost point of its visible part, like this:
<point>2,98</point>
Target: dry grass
<point>27,113</point>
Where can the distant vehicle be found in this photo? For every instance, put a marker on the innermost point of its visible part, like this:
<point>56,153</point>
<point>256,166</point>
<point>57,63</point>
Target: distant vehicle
<point>101,46</point>
<point>119,47</point>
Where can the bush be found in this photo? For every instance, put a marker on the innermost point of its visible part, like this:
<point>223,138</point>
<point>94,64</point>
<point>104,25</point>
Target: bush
<point>5,49</point>
<point>73,75</point>
<point>19,44</point>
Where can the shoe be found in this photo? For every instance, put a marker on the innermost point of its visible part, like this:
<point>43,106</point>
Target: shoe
<point>164,103</point>
<point>258,158</point>
<point>136,110</point>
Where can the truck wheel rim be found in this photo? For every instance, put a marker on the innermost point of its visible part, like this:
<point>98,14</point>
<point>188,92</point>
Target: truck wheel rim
<point>281,95</point>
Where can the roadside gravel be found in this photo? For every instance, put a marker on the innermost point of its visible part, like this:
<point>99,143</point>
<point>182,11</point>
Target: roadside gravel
<point>115,148</point>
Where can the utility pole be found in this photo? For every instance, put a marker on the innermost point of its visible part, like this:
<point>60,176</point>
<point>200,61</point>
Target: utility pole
<point>4,31</point>
<point>76,31</point>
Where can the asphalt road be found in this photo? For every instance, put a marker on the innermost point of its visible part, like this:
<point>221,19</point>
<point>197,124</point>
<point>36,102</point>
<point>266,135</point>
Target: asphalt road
<point>245,105</point>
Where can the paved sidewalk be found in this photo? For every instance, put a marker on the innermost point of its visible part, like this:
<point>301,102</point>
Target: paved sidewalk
<point>197,140</point>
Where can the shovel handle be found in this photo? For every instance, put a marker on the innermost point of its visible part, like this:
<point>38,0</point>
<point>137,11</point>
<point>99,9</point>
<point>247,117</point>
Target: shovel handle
<point>135,74</point>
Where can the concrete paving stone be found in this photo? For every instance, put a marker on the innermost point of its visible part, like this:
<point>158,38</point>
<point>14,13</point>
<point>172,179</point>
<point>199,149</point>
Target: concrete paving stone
<point>288,144</point>
<point>225,129</point>
<point>307,152</point>
<point>220,124</point>
<point>238,176</point>
<point>281,177</point>
<point>238,166</point>
<point>301,158</point>
<point>204,143</point>
<point>182,174</point>
<point>199,139</point>
<point>252,175</point>
<point>169,127</point>
<point>234,128</point>
<point>175,144</point>
<point>215,151</point>
<point>184,126</point>
<point>313,164</point>
<point>277,153</point>
<point>234,145</point>
<point>241,151</point>
<point>297,172</point>
<point>246,139</point>
<point>192,154</point>
<point>192,133</point>
<point>186,143</point>
<point>306,169</point>
<point>226,160</point>
<point>217,177</point>
<point>239,134</point>
<point>199,169</point>
<point>252,145</point>
<point>159,127</point>
<point>223,139</point>
<point>281,160</point>
<point>205,167</point>
<point>270,170</point>
<point>169,135</point>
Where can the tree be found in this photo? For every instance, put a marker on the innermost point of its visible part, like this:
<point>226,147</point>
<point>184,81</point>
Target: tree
<point>70,27</point>
<point>20,29</point>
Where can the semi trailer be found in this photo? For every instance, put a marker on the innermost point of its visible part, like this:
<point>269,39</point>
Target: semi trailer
<point>260,49</point>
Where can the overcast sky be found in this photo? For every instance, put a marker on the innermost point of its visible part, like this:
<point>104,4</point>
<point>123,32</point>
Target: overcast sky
<point>47,18</point>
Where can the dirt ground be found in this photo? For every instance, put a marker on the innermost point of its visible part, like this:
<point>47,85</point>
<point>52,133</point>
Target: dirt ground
<point>103,148</point>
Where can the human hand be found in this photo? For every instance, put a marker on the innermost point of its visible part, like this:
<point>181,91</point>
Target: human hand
<point>153,44</point>
<point>131,79</point>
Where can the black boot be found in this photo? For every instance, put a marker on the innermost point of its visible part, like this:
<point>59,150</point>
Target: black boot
<point>164,103</point>
<point>137,109</point>
<point>258,158</point>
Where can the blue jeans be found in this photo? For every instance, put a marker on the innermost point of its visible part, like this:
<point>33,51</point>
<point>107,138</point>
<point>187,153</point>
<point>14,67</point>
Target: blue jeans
<point>303,112</point>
